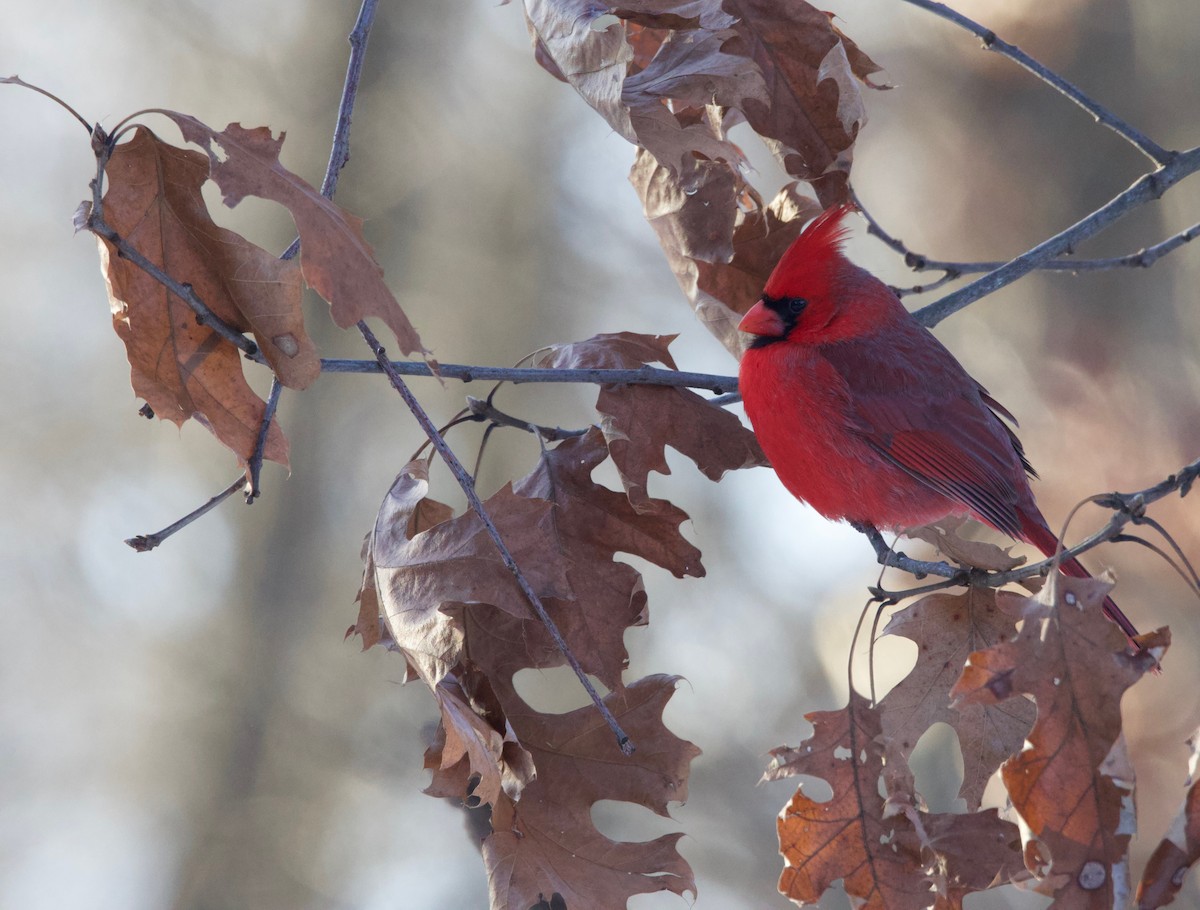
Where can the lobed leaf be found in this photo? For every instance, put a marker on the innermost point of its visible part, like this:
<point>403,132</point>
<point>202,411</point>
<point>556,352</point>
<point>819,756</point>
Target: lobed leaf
<point>947,628</point>
<point>1065,783</point>
<point>545,847</point>
<point>640,421</point>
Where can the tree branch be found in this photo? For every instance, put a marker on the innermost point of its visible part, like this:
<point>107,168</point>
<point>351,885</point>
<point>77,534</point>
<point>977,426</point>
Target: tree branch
<point>919,262</point>
<point>470,373</point>
<point>1145,189</point>
<point>1127,508</point>
<point>145,542</point>
<point>992,42</point>
<point>468,487</point>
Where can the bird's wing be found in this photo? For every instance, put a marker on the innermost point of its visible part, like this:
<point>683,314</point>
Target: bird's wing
<point>915,404</point>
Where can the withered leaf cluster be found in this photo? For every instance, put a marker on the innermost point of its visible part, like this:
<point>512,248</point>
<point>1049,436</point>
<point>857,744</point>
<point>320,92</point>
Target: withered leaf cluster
<point>674,77</point>
<point>435,590</point>
<point>181,367</point>
<point>1040,704</point>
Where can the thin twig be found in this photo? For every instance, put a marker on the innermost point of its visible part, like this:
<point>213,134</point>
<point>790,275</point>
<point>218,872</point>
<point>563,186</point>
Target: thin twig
<point>339,151</point>
<point>254,466</point>
<point>470,373</point>
<point>145,542</point>
<point>468,487</point>
<point>1127,508</point>
<point>485,410</point>
<point>1145,189</point>
<point>919,262</point>
<point>992,42</point>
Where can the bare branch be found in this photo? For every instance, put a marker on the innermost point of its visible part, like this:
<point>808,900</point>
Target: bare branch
<point>17,80</point>
<point>469,373</point>
<point>1145,189</point>
<point>338,157</point>
<point>339,151</point>
<point>919,262</point>
<point>1127,508</point>
<point>254,466</point>
<point>145,542</point>
<point>992,42</point>
<point>485,410</point>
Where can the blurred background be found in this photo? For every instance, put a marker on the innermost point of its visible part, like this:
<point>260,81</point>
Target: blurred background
<point>187,728</point>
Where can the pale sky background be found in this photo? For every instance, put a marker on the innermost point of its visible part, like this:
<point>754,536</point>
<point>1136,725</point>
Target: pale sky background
<point>187,729</point>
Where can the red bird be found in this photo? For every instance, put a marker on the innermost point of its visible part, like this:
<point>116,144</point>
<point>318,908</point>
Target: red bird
<point>867,417</point>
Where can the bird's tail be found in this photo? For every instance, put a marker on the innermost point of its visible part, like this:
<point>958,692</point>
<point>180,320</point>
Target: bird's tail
<point>1035,531</point>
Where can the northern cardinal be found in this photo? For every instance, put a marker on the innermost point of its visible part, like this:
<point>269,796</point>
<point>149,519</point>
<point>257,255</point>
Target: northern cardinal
<point>865,415</point>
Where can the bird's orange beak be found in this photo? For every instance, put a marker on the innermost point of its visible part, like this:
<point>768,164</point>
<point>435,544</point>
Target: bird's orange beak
<point>762,321</point>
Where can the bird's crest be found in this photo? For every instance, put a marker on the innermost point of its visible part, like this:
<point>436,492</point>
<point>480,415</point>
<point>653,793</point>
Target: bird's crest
<point>818,247</point>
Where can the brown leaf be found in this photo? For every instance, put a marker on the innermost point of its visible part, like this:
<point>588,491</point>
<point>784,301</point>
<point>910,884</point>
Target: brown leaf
<point>183,369</point>
<point>947,628</point>
<point>639,421</point>
<point>814,106</point>
<point>847,837</point>
<point>335,258</point>
<point>418,572</point>
<point>719,240</point>
<point>603,597</point>
<point>670,102</point>
<point>589,525</point>
<point>1076,666</point>
<point>369,622</point>
<point>971,852</point>
<point>592,60</point>
<point>861,65</point>
<point>470,755</point>
<point>979,554</point>
<point>547,845</point>
<point>1179,849</point>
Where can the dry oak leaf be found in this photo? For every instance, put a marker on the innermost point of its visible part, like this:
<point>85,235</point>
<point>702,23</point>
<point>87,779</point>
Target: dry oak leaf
<point>181,368</point>
<point>719,239</point>
<point>592,60</point>
<point>418,572</point>
<point>639,421</point>
<point>979,554</point>
<point>335,258</point>
<point>588,526</point>
<point>547,845</point>
<point>782,67</point>
<point>814,106</point>
<point>1179,849</point>
<point>1076,666</point>
<point>475,755</point>
<point>970,852</point>
<point>947,628</point>
<point>850,836</point>
<point>687,70</point>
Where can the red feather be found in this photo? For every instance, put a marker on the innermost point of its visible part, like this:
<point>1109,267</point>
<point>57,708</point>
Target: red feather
<point>867,417</point>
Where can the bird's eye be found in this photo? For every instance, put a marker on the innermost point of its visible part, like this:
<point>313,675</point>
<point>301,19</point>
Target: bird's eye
<point>796,305</point>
